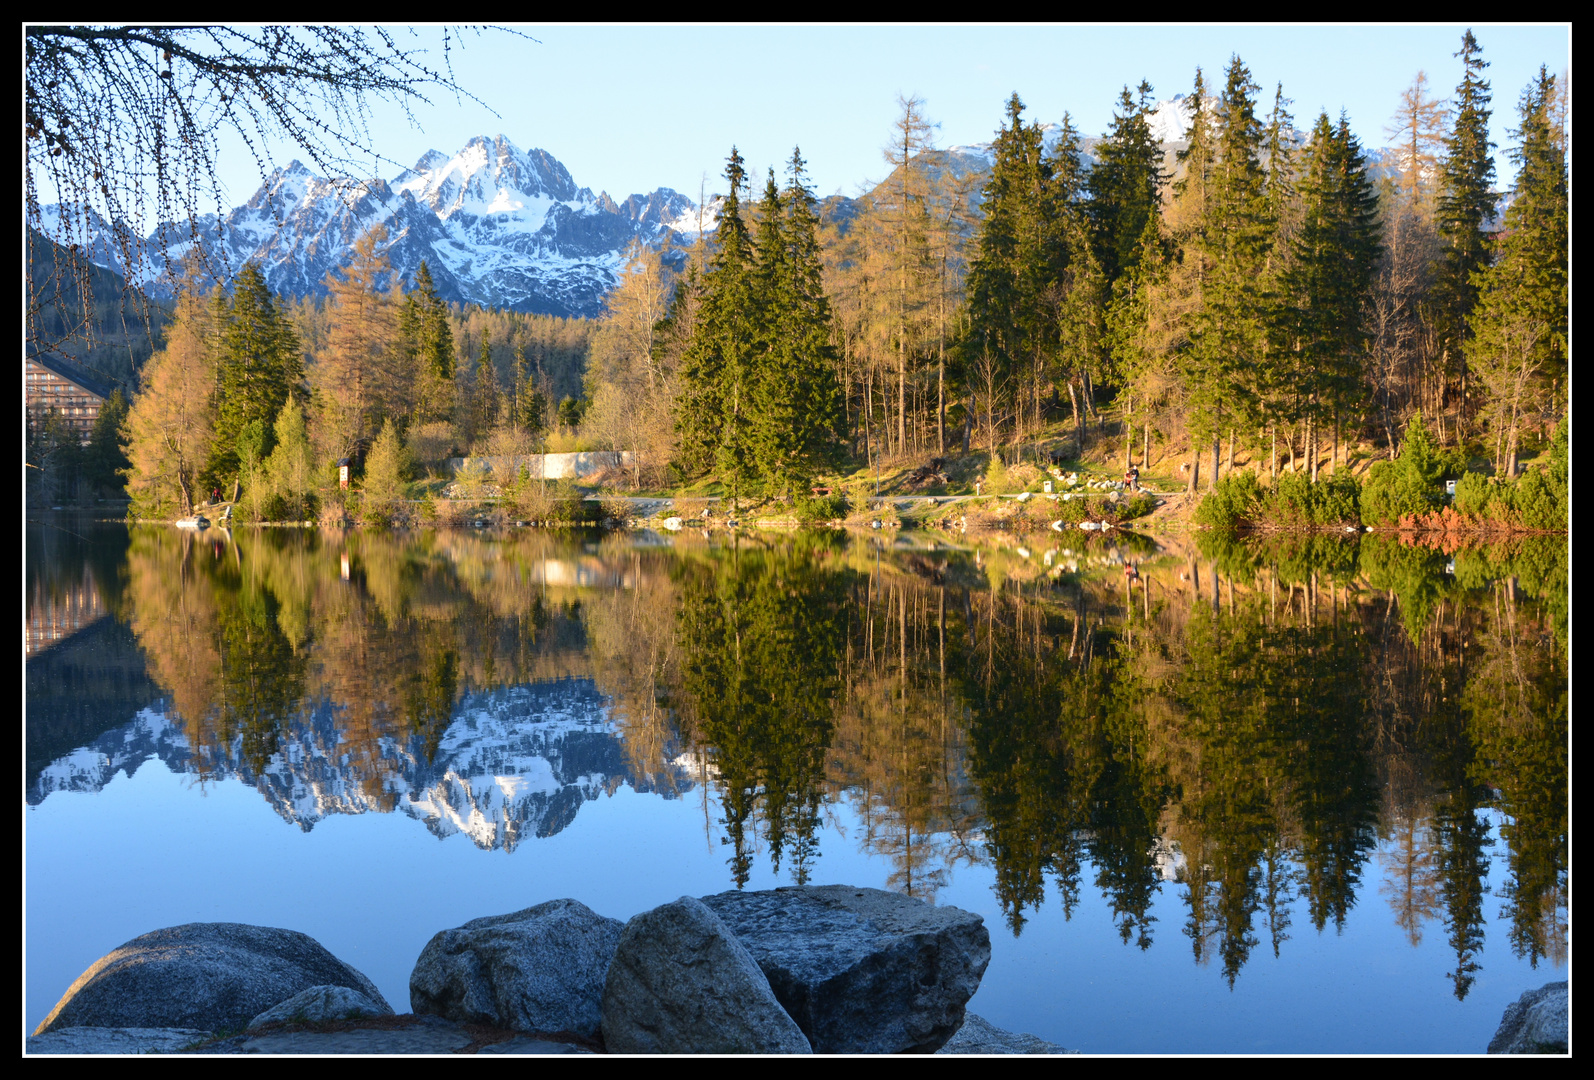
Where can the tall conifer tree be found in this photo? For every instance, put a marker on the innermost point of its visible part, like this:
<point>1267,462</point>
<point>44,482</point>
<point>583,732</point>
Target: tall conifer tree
<point>801,374</point>
<point>1520,326</point>
<point>258,364</point>
<point>1015,273</point>
<point>428,342</point>
<point>1228,341</point>
<point>1126,183</point>
<point>1466,203</point>
<point>1331,273</point>
<point>718,365</point>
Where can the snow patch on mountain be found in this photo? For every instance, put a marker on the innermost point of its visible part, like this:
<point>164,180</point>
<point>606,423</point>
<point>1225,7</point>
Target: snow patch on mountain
<point>1170,120</point>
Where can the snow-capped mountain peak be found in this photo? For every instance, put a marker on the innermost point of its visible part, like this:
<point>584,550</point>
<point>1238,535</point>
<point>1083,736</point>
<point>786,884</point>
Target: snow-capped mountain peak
<point>498,226</point>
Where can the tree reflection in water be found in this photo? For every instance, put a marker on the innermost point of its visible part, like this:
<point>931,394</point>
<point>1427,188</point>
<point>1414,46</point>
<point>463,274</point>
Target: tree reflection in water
<point>1241,723</point>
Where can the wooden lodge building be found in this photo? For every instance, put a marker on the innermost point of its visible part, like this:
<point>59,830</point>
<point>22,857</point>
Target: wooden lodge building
<point>55,383</point>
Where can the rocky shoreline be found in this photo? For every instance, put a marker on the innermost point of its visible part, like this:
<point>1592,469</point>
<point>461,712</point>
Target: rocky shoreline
<point>831,969</point>
<point>801,970</point>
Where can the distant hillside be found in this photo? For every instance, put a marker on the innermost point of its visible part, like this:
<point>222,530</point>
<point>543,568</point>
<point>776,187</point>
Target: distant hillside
<point>116,335</point>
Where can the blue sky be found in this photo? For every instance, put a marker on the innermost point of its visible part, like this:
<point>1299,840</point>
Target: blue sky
<point>631,108</point>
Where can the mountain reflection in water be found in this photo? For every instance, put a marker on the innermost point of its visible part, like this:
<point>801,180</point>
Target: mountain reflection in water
<point>1271,733</point>
<point>514,763</point>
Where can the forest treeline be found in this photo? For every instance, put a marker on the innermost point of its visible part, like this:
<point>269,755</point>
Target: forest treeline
<point>1266,301</point>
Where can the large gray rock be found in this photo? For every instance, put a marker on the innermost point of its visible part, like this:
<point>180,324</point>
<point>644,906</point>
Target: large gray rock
<point>207,976</point>
<point>540,969</point>
<point>682,984</point>
<point>979,1036</point>
<point>1538,1022</point>
<point>862,971</point>
<point>321,1003</point>
<point>99,1040</point>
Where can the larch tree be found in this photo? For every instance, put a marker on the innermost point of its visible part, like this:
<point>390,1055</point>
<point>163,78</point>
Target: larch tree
<point>123,122</point>
<point>1417,131</point>
<point>1181,303</point>
<point>1136,342</point>
<point>903,223</point>
<point>631,389</point>
<point>171,423</point>
<point>357,380</point>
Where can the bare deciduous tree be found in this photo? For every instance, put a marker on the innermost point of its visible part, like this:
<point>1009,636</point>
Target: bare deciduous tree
<point>123,123</point>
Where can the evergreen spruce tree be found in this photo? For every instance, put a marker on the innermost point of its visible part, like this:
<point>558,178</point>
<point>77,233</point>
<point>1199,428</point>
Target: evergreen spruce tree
<point>105,457</point>
<point>770,410</point>
<point>1228,341</point>
<point>1125,184</point>
<point>1520,325</point>
<point>430,347</point>
<point>487,400</point>
<point>1015,274</point>
<point>717,368</point>
<point>1466,202</point>
<point>1335,253</point>
<point>797,421</point>
<point>529,404</point>
<point>259,363</point>
<point>1278,156</point>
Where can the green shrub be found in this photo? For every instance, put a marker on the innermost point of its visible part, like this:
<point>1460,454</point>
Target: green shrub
<point>1473,494</point>
<point>1537,504</point>
<point>1411,484</point>
<point>1235,500</point>
<point>1136,506</point>
<point>858,498</point>
<point>1541,496</point>
<point>1337,499</point>
<point>811,509</point>
<point>997,478</point>
<point>1073,511</point>
<point>1291,500</point>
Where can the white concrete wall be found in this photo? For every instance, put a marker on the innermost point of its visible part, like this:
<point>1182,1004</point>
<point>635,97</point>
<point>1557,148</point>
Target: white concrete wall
<point>558,466</point>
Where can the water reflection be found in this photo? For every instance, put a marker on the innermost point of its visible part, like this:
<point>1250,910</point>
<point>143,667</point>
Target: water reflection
<point>515,763</point>
<point>1240,725</point>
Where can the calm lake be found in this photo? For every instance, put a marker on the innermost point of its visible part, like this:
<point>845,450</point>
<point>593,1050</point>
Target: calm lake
<point>1298,796</point>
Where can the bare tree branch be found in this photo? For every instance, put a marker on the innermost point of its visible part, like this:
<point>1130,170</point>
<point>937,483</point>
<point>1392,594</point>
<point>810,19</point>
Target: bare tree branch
<point>122,123</point>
